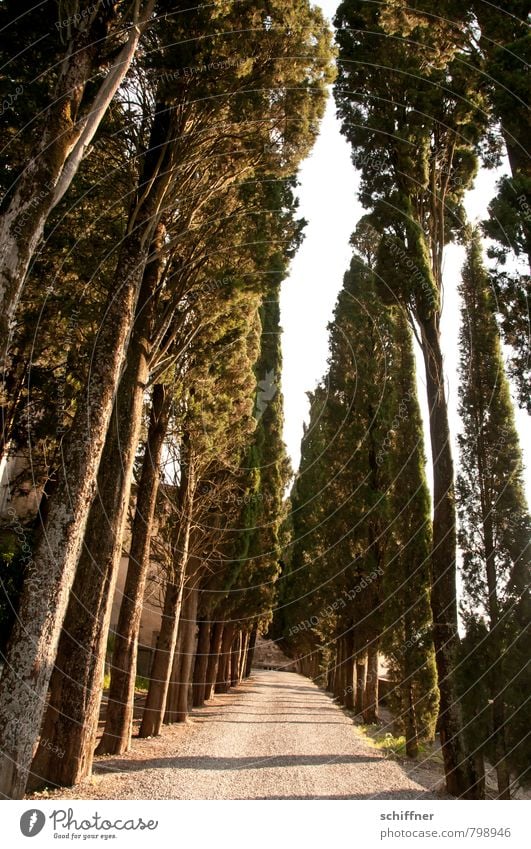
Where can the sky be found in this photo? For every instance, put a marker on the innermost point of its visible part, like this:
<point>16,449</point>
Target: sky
<point>328,201</point>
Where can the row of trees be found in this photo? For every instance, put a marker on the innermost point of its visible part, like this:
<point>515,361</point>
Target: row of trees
<point>155,150</point>
<point>358,579</point>
<point>421,97</point>
<point>148,217</point>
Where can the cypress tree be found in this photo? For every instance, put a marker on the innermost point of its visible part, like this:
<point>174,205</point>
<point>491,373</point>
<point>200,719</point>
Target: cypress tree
<point>408,640</point>
<point>495,528</point>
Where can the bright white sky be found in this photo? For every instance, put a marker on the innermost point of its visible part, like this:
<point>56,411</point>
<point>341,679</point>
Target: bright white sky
<point>328,200</point>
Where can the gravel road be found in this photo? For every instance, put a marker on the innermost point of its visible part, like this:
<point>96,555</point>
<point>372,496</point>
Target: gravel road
<point>277,736</point>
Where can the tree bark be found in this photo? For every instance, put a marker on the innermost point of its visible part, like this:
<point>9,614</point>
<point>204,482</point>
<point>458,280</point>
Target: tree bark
<point>338,676</point>
<point>213,659</point>
<point>412,736</point>
<point>162,662</point>
<point>235,658</point>
<point>170,709</point>
<point>330,677</point>
<point>243,655</point>
<point>457,767</point>
<point>119,719</point>
<point>223,680</point>
<point>165,650</point>
<point>361,671</point>
<point>250,651</point>
<point>370,699</point>
<point>201,664</point>
<point>349,671</point>
<point>189,624</point>
<point>479,771</point>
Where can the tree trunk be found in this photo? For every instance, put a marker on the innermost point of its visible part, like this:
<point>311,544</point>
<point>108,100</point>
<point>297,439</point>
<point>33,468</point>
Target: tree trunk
<point>457,768</point>
<point>235,659</point>
<point>42,609</point>
<point>250,651</point>
<point>119,718</point>
<point>361,671</point>
<point>338,676</point>
<point>162,662</point>
<point>243,655</point>
<point>63,140</point>
<point>34,641</point>
<point>370,699</point>
<point>188,620</point>
<point>73,713</point>
<point>349,700</point>
<point>201,664</point>
<point>223,680</point>
<point>165,650</point>
<point>479,771</point>
<point>412,737</point>
<point>213,659</point>
<point>330,677</point>
<point>72,717</point>
<point>170,710</point>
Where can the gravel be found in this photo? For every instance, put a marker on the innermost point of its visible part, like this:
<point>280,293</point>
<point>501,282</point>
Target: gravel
<point>277,736</point>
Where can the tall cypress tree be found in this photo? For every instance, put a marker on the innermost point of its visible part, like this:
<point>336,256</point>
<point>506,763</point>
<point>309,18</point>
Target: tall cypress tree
<point>415,148</point>
<point>495,530</point>
<point>407,639</point>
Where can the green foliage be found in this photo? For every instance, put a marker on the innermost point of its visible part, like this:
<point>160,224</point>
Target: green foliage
<point>360,556</point>
<point>495,526</point>
<point>13,560</point>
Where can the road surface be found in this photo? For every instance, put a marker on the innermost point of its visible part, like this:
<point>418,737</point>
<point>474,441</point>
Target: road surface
<point>277,736</point>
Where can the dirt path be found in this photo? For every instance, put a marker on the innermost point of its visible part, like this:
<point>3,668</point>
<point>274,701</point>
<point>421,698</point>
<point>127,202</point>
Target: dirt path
<point>276,737</point>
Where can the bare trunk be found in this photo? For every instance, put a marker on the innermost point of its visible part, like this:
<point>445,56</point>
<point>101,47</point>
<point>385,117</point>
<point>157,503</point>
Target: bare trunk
<point>201,663</point>
<point>339,676</point>
<point>349,671</point>
<point>170,710</point>
<point>213,659</point>
<point>412,738</point>
<point>235,659</point>
<point>458,770</point>
<point>162,662</point>
<point>119,718</point>
<point>370,699</point>
<point>189,624</point>
<point>479,771</point>
<point>243,655</point>
<point>330,676</point>
<point>250,651</point>
<point>165,650</point>
<point>223,680</point>
<point>361,672</point>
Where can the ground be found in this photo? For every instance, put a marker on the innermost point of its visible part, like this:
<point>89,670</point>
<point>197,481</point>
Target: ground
<point>277,736</point>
